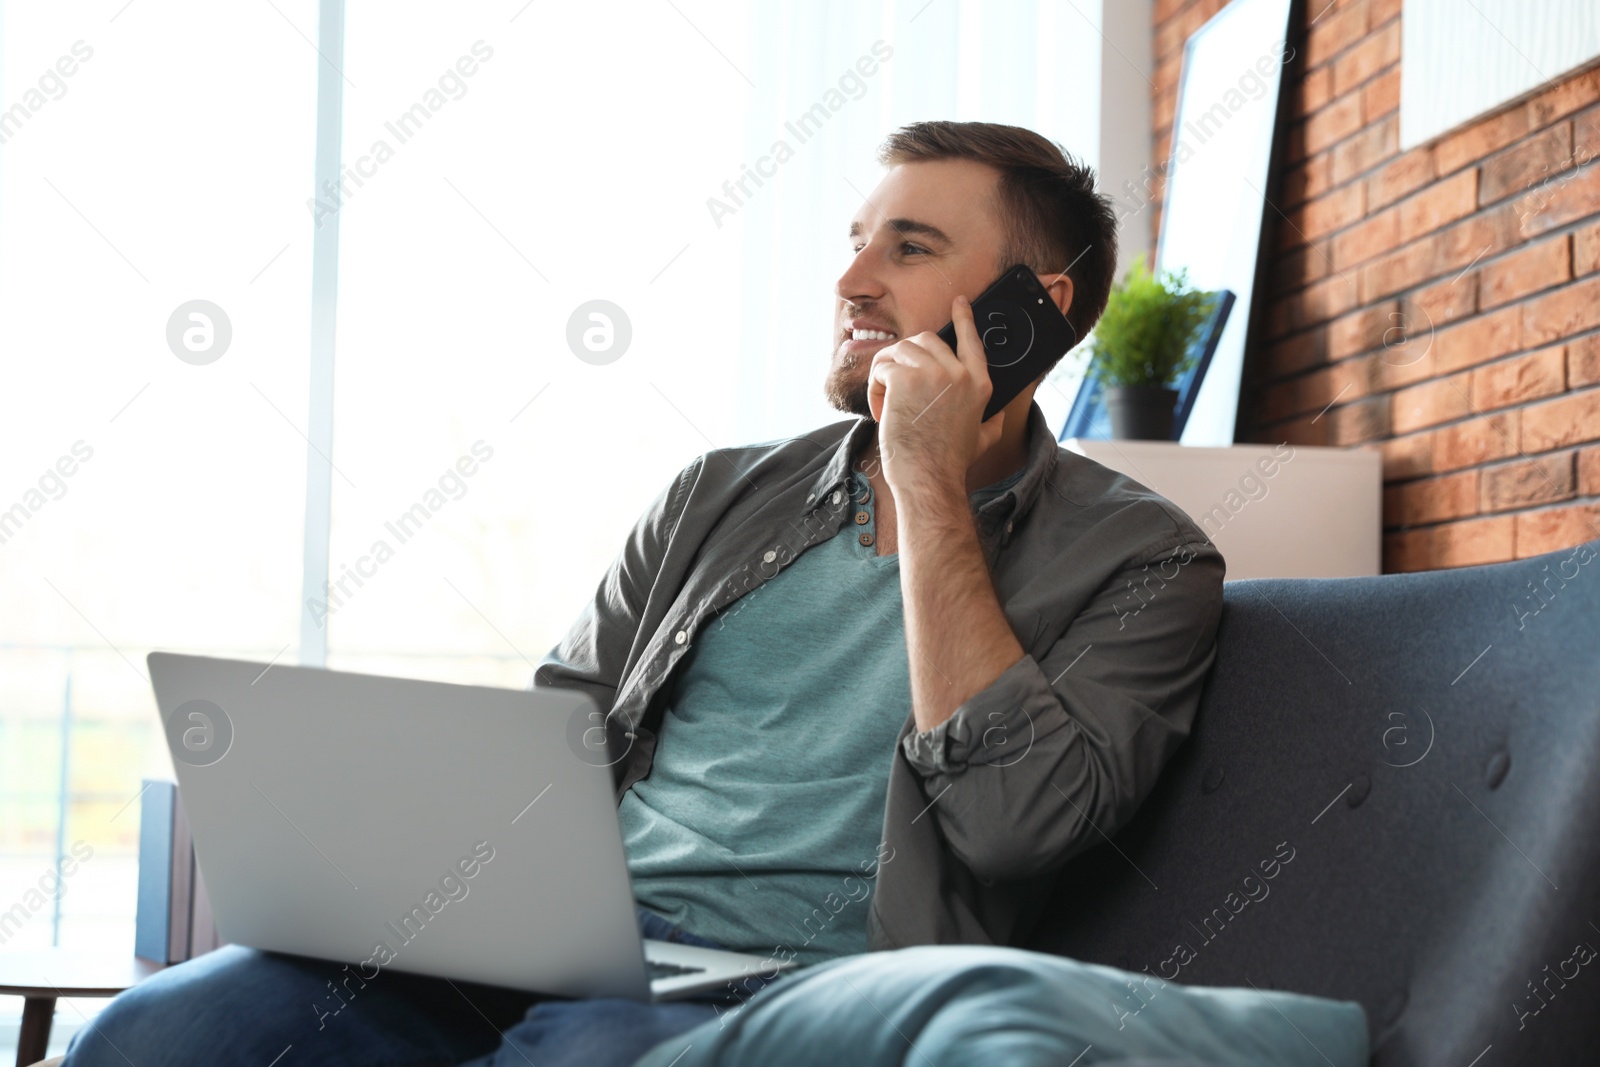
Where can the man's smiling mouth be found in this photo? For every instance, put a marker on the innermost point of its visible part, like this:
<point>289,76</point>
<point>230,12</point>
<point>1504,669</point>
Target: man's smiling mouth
<point>862,330</point>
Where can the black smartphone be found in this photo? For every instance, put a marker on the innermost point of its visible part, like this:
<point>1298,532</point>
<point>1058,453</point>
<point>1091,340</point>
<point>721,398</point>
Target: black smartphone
<point>1023,332</point>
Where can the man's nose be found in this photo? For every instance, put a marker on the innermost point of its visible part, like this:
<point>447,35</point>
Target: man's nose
<point>859,283</point>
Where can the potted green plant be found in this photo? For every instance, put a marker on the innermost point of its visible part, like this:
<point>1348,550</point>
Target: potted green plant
<point>1141,346</point>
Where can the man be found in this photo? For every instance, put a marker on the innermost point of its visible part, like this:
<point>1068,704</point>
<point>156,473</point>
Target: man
<point>866,688</point>
<point>1058,618</point>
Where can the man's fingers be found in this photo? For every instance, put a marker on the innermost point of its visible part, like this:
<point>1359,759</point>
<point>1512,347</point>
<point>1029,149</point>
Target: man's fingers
<point>878,376</point>
<point>969,344</point>
<point>906,351</point>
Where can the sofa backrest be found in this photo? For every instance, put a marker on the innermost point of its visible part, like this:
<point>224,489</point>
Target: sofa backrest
<point>1391,795</point>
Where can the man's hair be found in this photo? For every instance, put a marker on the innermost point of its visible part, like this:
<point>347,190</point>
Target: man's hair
<point>1053,219</point>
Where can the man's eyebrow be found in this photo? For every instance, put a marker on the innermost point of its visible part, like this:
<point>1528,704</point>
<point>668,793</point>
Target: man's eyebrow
<point>908,227</point>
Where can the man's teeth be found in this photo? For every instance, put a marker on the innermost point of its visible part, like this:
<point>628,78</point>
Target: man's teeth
<point>870,335</point>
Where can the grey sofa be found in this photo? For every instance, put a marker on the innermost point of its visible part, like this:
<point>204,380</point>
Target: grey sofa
<point>1391,795</point>
<point>1425,748</point>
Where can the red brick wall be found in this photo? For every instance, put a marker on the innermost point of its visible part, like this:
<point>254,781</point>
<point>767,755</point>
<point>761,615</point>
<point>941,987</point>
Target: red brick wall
<point>1441,306</point>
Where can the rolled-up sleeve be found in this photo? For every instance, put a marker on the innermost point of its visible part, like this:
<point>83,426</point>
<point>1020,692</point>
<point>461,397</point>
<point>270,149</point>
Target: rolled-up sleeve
<point>1058,752</point>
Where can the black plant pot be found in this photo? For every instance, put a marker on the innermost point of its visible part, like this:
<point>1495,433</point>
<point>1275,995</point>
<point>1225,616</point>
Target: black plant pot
<point>1141,412</point>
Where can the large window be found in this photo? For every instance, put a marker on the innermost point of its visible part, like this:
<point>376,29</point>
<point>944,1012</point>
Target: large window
<point>149,157</point>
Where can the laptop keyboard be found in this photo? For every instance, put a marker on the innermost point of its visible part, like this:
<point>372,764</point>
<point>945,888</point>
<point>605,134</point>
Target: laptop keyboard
<point>656,969</point>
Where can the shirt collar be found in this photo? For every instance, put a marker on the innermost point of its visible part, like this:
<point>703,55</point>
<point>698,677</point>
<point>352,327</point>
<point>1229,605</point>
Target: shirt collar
<point>1013,502</point>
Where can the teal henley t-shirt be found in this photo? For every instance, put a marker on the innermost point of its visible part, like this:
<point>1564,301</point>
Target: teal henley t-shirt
<point>759,824</point>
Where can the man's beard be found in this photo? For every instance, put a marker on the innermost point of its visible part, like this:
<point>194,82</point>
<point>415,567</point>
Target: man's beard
<point>846,384</point>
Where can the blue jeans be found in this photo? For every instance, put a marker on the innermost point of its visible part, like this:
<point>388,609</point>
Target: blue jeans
<point>243,1005</point>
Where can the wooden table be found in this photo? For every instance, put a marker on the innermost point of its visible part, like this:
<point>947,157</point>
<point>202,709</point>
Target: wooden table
<point>40,976</point>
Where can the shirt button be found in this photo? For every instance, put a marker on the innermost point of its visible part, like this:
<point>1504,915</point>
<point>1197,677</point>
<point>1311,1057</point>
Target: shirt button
<point>681,637</point>
<point>861,518</point>
<point>769,557</point>
<point>866,539</point>
<point>835,497</point>
<point>865,497</point>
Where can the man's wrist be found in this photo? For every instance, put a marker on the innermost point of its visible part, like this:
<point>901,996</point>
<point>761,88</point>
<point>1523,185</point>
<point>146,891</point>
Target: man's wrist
<point>929,492</point>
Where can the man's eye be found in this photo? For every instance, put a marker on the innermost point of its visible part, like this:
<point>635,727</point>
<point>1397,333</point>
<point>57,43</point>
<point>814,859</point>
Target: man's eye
<point>905,246</point>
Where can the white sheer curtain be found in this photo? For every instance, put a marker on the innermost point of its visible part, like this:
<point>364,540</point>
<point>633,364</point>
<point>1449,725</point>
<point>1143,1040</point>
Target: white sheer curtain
<point>596,155</point>
<point>150,155</point>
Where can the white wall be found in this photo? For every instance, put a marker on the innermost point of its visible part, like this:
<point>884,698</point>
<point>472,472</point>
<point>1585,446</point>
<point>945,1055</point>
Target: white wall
<point>1126,64</point>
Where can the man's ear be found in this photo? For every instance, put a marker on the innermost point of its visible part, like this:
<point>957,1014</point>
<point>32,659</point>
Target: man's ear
<point>1059,286</point>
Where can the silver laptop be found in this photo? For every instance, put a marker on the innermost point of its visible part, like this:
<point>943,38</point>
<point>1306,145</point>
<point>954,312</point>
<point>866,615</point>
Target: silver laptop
<point>444,830</point>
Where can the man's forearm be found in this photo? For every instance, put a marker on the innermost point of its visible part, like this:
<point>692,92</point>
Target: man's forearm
<point>958,639</point>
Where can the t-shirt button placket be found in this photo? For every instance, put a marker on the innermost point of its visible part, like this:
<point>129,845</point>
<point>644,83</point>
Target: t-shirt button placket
<point>863,517</point>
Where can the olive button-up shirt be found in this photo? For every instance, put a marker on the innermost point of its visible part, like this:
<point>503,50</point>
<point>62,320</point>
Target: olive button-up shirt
<point>1112,591</point>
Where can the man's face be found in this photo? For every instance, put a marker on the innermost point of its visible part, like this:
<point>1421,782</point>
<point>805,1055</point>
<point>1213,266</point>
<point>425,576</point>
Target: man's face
<point>927,233</point>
